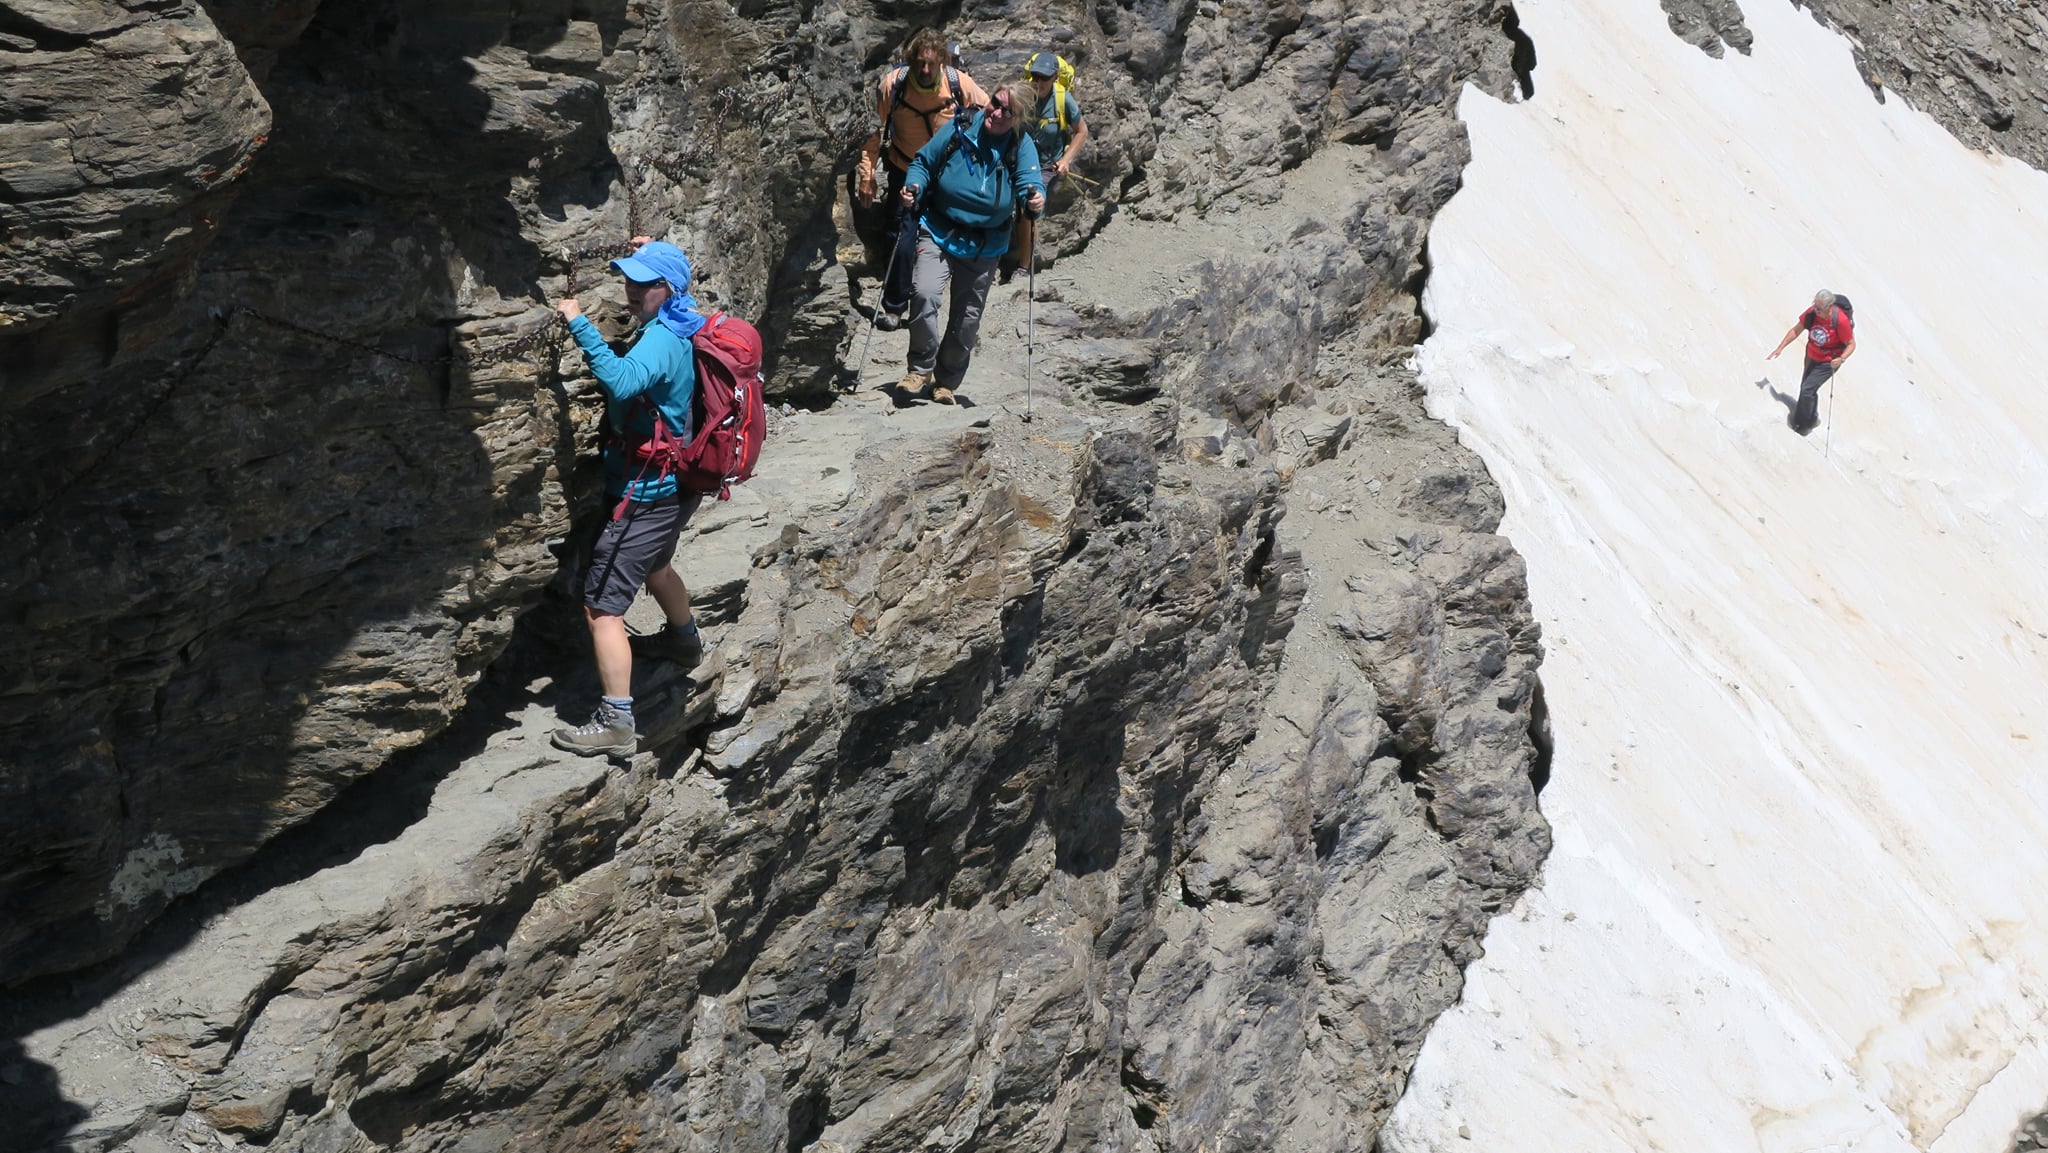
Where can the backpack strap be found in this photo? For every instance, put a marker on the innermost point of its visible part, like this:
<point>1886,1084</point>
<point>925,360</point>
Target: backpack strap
<point>660,444</point>
<point>1006,160</point>
<point>1008,156</point>
<point>893,82</point>
<point>899,79</point>
<point>952,146</point>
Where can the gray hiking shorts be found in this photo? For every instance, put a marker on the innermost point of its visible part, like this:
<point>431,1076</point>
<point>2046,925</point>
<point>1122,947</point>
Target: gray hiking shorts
<point>634,544</point>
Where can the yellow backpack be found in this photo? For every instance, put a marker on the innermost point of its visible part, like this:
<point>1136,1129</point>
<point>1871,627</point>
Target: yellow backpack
<point>1062,83</point>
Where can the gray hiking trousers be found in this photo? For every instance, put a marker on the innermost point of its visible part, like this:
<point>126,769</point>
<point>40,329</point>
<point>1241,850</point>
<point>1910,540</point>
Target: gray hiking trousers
<point>947,357</point>
<point>1807,413</point>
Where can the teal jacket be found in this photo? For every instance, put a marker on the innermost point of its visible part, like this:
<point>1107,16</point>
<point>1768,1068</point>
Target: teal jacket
<point>968,203</point>
<point>660,366</point>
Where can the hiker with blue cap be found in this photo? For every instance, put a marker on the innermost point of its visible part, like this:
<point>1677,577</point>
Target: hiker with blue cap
<point>1056,126</point>
<point>1055,121</point>
<point>647,398</point>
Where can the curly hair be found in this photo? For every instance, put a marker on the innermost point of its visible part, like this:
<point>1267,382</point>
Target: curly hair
<point>926,39</point>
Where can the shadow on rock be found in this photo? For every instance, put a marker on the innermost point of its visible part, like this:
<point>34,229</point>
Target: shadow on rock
<point>254,561</point>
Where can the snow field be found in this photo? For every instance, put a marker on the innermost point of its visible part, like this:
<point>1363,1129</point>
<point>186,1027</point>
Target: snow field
<point>1799,898</point>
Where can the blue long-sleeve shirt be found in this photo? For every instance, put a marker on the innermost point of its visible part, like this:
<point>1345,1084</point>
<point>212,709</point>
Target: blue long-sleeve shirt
<point>969,203</point>
<point>662,367</point>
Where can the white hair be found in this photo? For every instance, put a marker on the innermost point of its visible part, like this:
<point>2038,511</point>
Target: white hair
<point>1823,299</point>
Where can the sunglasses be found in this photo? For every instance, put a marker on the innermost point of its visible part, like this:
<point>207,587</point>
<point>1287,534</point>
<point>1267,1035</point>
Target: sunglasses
<point>999,108</point>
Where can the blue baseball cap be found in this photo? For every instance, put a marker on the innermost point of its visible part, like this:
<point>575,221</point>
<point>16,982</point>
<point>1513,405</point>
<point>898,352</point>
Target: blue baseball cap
<point>656,260</point>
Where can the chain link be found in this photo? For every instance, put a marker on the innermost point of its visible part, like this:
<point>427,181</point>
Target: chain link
<point>675,166</point>
<point>330,339</point>
<point>541,335</point>
<point>604,252</point>
<point>518,346</point>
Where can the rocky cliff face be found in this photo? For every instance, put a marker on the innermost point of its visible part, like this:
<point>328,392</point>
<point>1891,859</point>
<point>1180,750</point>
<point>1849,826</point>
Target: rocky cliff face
<point>1973,65</point>
<point>1140,777</point>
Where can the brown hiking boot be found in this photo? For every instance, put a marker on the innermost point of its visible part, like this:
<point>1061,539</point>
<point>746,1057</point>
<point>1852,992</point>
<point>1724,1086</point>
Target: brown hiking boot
<point>914,383</point>
<point>943,395</point>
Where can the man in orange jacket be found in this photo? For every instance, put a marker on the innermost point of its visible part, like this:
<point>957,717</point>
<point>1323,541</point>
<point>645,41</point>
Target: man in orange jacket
<point>913,101</point>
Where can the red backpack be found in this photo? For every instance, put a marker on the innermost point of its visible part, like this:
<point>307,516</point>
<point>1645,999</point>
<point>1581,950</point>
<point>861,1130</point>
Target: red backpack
<point>728,412</point>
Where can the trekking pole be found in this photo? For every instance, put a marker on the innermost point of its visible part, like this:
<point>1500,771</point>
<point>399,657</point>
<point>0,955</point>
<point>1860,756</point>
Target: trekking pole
<point>860,373</point>
<point>1030,314</point>
<point>1027,238</point>
<point>1827,451</point>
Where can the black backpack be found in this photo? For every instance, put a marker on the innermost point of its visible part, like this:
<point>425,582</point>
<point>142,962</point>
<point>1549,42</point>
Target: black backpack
<point>1841,302</point>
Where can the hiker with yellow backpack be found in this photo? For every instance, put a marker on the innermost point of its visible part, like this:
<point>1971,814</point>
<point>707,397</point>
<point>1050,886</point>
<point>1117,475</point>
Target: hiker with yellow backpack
<point>1056,124</point>
<point>1056,127</point>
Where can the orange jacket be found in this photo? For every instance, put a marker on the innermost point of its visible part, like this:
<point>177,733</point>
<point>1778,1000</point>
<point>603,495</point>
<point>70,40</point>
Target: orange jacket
<point>917,118</point>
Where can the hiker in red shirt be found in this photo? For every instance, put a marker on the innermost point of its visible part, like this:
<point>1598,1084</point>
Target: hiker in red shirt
<point>1830,338</point>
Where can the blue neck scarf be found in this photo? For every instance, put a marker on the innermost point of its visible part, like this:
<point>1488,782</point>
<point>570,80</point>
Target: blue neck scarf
<point>679,314</point>
<point>660,260</point>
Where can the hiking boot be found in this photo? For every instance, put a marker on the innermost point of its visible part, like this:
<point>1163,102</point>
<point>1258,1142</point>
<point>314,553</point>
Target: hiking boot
<point>608,731</point>
<point>666,644</point>
<point>888,321</point>
<point>943,395</point>
<point>914,383</point>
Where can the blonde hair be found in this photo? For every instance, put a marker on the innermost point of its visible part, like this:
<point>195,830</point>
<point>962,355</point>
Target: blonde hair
<point>1021,106</point>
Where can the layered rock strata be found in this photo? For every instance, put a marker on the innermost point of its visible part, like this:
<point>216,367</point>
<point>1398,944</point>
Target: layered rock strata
<point>1973,65</point>
<point>1713,26</point>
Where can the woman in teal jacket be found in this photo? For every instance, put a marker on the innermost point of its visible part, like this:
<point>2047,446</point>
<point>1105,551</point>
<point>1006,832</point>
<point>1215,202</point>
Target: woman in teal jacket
<point>638,544</point>
<point>978,169</point>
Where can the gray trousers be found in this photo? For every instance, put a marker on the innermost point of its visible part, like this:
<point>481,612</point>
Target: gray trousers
<point>946,357</point>
<point>1807,414</point>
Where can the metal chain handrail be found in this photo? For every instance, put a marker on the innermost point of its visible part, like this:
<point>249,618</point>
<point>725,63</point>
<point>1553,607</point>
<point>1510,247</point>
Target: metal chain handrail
<point>540,335</point>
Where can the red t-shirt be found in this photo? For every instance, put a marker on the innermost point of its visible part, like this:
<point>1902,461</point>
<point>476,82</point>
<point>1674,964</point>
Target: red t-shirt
<point>1826,340</point>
